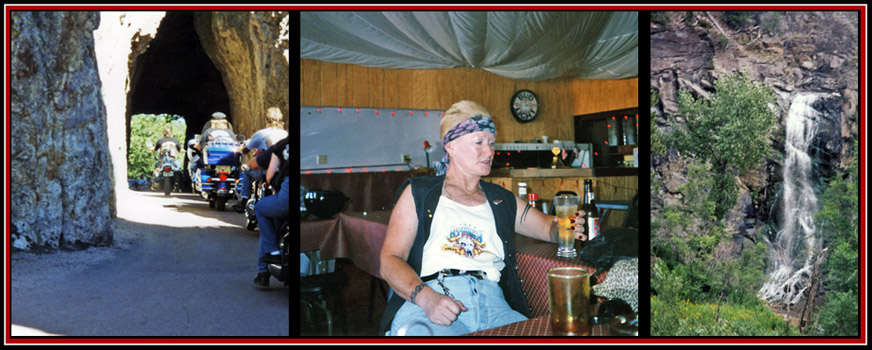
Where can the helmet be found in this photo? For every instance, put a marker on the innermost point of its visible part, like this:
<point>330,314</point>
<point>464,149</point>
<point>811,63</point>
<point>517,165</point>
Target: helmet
<point>218,115</point>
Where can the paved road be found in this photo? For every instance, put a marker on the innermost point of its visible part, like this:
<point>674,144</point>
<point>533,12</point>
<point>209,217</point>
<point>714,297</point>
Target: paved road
<point>176,268</point>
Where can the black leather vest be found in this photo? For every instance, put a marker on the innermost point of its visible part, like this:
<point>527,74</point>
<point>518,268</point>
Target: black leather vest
<point>426,191</point>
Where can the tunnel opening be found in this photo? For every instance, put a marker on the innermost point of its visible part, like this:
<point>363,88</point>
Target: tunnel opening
<point>176,76</point>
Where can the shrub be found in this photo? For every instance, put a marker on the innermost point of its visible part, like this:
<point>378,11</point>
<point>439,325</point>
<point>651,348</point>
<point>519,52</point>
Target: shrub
<point>146,129</point>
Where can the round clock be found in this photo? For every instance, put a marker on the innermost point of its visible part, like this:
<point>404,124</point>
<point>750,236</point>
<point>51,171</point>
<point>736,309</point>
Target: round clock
<point>524,105</point>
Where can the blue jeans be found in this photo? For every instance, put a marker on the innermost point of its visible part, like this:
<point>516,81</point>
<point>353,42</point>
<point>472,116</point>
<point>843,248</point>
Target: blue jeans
<point>269,212</point>
<point>245,182</point>
<point>487,308</point>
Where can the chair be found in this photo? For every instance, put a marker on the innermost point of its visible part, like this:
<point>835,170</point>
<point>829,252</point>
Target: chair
<point>632,218</point>
<point>316,290</point>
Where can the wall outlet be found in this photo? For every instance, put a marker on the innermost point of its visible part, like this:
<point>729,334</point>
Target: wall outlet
<point>406,158</point>
<point>322,159</point>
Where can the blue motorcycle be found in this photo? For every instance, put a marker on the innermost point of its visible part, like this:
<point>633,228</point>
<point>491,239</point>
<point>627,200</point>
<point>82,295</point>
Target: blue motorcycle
<point>216,172</point>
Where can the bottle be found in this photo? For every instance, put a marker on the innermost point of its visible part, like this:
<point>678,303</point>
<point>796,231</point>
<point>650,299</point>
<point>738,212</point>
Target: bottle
<point>591,214</point>
<point>522,190</point>
<point>532,198</point>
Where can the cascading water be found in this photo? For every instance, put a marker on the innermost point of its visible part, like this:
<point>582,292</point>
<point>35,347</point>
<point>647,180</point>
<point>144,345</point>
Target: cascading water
<point>793,249</point>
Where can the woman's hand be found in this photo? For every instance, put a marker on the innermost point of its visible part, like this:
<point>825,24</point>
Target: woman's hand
<point>578,224</point>
<point>440,309</point>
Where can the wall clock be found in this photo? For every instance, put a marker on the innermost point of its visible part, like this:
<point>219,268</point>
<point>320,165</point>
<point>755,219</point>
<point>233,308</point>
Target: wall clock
<point>524,105</point>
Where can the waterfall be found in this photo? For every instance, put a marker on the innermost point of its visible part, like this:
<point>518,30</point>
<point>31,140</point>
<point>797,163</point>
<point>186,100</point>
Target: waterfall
<point>794,246</point>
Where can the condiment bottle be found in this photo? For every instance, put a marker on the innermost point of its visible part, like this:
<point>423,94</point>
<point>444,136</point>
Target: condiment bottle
<point>532,198</point>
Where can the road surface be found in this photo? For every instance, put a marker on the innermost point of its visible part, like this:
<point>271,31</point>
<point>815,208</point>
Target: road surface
<point>175,268</point>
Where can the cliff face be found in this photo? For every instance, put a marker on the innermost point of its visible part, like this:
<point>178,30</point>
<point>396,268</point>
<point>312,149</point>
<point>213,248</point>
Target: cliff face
<point>250,50</point>
<point>70,78</point>
<point>792,52</point>
<point>61,173</point>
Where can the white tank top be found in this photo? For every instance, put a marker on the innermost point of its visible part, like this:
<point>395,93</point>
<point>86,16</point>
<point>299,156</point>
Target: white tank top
<point>464,238</point>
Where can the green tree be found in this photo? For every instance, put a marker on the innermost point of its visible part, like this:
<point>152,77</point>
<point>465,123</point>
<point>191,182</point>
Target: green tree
<point>837,221</point>
<point>146,129</point>
<point>729,130</point>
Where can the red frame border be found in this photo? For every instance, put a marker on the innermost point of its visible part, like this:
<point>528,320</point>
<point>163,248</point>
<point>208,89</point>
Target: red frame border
<point>301,341</point>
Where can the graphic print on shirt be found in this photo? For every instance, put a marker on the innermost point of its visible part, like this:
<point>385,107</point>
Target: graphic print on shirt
<point>465,240</point>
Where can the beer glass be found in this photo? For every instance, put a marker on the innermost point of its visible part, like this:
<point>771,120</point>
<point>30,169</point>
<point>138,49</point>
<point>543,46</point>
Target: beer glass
<point>565,207</point>
<point>569,300</point>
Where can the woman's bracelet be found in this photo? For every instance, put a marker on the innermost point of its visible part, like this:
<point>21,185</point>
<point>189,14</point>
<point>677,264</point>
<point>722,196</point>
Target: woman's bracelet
<point>418,288</point>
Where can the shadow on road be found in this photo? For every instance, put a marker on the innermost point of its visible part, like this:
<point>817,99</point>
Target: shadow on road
<point>174,269</point>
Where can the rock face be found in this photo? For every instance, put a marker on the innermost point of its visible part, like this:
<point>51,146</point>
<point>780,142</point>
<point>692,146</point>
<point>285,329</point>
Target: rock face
<point>115,64</point>
<point>250,50</point>
<point>792,52</point>
<point>61,172</point>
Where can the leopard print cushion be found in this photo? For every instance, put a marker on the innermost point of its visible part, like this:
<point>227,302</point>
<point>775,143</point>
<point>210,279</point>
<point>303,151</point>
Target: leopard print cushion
<point>622,282</point>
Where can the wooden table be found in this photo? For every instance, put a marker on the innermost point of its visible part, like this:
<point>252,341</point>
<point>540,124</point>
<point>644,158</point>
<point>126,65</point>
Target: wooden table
<point>534,327</point>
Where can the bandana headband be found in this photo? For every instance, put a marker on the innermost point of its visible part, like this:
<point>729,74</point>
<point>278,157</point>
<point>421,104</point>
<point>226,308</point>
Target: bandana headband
<point>471,125</point>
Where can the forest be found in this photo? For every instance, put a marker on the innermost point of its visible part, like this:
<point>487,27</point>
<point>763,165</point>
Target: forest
<point>701,284</point>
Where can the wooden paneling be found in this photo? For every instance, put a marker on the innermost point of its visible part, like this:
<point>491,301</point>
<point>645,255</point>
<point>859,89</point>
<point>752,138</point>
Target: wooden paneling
<point>343,85</point>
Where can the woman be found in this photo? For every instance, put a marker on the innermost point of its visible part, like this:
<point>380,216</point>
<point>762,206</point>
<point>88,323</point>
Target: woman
<point>449,250</point>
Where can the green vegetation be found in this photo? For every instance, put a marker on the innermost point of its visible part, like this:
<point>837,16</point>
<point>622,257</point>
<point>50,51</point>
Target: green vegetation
<point>837,222</point>
<point>721,138</point>
<point>770,21</point>
<point>690,319</point>
<point>728,130</point>
<point>740,19</point>
<point>660,17</point>
<point>146,129</point>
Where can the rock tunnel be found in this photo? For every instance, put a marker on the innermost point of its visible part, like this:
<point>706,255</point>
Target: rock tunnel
<point>175,76</point>
<point>77,77</point>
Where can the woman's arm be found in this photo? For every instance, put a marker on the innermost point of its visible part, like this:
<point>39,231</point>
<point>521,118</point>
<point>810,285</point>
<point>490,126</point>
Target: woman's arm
<point>532,222</point>
<point>400,237</point>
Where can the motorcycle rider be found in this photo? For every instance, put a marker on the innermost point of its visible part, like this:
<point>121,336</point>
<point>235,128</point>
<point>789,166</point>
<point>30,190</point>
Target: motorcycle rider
<point>271,209</point>
<point>259,142</point>
<point>167,137</point>
<point>218,122</point>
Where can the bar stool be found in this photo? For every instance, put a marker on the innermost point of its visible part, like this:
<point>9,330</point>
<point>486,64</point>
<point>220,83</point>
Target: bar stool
<point>316,290</point>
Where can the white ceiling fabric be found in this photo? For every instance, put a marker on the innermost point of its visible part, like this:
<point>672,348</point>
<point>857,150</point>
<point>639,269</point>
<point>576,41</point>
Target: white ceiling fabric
<point>524,45</point>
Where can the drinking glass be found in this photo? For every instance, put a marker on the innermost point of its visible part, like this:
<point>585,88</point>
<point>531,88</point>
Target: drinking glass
<point>565,207</point>
<point>569,300</point>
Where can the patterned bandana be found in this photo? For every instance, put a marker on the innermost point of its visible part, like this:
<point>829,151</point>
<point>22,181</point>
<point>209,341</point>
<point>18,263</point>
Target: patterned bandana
<point>471,125</point>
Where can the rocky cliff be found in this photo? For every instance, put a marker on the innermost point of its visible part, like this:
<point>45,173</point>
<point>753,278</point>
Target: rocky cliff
<point>250,50</point>
<point>792,52</point>
<point>61,183</point>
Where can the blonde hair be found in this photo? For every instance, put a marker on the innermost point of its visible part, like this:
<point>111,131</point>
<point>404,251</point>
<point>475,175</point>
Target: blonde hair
<point>459,112</point>
<point>274,118</point>
<point>220,124</point>
<point>167,131</point>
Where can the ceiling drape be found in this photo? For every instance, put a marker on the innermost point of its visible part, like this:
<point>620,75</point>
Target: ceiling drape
<point>524,45</point>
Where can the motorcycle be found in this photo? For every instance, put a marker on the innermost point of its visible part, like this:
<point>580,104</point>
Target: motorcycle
<point>282,271</point>
<point>214,178</point>
<point>259,189</point>
<point>168,172</point>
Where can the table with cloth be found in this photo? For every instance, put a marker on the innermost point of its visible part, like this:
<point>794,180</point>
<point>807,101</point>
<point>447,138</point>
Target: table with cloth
<point>359,237</point>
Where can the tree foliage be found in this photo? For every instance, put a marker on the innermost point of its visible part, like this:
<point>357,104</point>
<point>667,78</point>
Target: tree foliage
<point>146,129</point>
<point>729,130</point>
<point>837,221</point>
<point>720,138</point>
